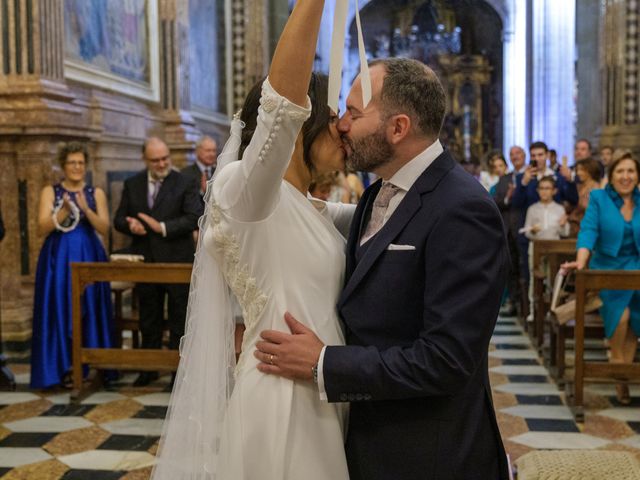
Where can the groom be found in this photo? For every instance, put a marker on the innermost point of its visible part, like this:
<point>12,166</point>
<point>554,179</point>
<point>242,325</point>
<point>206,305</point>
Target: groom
<point>426,266</point>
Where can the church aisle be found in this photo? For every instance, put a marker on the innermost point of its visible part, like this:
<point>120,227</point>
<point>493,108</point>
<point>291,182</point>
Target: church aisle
<point>531,410</point>
<point>113,434</point>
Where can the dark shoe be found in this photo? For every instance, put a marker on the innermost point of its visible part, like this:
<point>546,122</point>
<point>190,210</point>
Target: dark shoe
<point>145,378</point>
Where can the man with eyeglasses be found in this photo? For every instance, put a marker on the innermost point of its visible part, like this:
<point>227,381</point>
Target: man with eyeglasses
<point>159,209</point>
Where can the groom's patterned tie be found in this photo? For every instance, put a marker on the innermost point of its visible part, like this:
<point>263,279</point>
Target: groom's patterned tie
<point>380,205</point>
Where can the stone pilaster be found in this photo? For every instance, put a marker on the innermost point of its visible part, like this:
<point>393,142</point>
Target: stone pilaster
<point>180,131</point>
<point>37,111</point>
<point>250,46</point>
<point>619,72</point>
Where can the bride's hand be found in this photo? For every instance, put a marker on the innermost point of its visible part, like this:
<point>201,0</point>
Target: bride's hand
<point>289,355</point>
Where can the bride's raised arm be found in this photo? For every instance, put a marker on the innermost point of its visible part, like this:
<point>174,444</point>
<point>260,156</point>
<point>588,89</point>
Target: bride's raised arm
<point>249,190</point>
<point>292,63</point>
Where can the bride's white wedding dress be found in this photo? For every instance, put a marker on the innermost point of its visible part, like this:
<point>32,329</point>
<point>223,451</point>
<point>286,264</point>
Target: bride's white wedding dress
<point>279,251</point>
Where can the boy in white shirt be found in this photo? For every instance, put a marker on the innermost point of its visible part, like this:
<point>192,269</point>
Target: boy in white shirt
<point>546,220</point>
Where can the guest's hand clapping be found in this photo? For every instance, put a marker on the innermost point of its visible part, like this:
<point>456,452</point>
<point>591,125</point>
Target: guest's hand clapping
<point>151,222</point>
<point>67,203</point>
<point>136,227</point>
<point>81,200</point>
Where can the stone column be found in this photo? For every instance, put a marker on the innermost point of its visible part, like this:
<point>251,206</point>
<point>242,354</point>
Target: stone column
<point>587,76</point>
<point>180,131</point>
<point>250,46</point>
<point>36,112</point>
<point>619,72</point>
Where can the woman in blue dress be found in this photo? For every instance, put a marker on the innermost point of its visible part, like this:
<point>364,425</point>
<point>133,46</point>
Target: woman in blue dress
<point>70,214</point>
<point>609,239</point>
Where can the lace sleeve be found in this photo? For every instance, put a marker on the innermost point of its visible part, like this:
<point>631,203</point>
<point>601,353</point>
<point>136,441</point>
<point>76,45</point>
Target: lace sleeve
<point>250,191</point>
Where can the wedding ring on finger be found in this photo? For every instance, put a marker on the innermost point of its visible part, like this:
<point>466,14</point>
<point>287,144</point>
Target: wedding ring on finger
<point>271,358</point>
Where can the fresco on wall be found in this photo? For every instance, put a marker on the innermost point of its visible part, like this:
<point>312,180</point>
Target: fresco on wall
<point>109,35</point>
<point>206,56</point>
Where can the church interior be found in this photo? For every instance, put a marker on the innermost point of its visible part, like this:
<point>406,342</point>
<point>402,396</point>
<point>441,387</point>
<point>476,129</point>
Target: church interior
<point>110,75</point>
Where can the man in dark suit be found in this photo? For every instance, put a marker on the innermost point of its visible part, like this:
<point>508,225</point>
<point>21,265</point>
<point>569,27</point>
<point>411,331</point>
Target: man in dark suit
<point>513,221</point>
<point>204,166</point>
<point>159,209</point>
<point>426,267</point>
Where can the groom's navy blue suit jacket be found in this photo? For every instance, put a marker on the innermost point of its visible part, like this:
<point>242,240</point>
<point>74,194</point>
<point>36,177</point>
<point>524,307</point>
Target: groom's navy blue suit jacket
<point>418,323</point>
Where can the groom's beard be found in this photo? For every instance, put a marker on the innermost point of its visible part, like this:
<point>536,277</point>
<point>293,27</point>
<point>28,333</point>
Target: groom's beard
<point>370,152</point>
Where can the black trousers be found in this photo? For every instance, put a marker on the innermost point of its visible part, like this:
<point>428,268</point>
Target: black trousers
<point>151,297</point>
<point>513,281</point>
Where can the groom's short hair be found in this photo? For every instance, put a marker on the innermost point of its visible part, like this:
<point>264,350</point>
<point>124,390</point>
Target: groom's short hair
<point>412,88</point>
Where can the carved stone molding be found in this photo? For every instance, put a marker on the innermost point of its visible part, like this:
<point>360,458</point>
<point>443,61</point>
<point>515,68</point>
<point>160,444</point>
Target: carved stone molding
<point>619,66</point>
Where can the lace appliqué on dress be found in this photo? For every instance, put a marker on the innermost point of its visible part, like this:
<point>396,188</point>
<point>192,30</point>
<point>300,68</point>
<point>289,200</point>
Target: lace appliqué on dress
<point>270,100</point>
<point>252,300</point>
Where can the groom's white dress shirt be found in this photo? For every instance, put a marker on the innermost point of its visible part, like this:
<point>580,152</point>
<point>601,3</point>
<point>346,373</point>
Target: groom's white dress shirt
<point>404,180</point>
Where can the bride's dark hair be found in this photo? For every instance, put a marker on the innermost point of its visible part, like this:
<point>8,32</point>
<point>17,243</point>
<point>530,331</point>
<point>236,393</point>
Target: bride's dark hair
<point>318,121</point>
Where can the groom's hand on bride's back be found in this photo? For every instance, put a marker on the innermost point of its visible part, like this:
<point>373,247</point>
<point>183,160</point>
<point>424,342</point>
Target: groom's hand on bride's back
<point>289,355</point>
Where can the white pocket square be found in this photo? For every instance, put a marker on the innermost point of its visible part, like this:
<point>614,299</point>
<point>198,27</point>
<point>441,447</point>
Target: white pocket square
<point>400,247</point>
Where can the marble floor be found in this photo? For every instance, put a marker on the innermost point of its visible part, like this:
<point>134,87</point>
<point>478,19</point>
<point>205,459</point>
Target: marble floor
<point>532,412</point>
<point>113,434</point>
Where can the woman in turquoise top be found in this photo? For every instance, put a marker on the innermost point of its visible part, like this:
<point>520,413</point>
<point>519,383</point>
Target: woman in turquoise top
<point>609,239</point>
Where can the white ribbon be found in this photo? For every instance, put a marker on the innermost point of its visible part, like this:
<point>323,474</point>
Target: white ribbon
<point>337,55</point>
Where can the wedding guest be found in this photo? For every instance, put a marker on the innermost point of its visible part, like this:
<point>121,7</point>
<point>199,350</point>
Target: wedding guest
<point>553,160</point>
<point>606,155</point>
<point>204,166</point>
<point>356,186</point>
<point>499,167</point>
<point>609,239</point>
<point>582,149</point>
<point>588,174</point>
<point>546,220</point>
<point>526,194</point>
<point>617,154</point>
<point>488,178</point>
<point>159,210</point>
<point>322,185</point>
<point>70,214</point>
<point>502,193</point>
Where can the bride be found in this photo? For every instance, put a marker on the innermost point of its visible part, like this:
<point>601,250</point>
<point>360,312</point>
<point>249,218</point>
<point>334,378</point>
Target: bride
<point>277,250</point>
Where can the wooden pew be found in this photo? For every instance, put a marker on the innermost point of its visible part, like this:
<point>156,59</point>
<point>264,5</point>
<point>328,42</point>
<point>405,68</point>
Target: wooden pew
<point>602,371</point>
<point>556,252</point>
<point>83,274</point>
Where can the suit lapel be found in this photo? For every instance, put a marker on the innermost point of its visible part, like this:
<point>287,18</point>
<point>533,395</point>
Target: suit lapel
<point>405,211</point>
<point>140,191</point>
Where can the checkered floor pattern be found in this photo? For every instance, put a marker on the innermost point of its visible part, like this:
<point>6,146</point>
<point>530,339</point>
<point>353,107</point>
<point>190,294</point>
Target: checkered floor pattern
<point>532,412</point>
<point>113,434</point>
